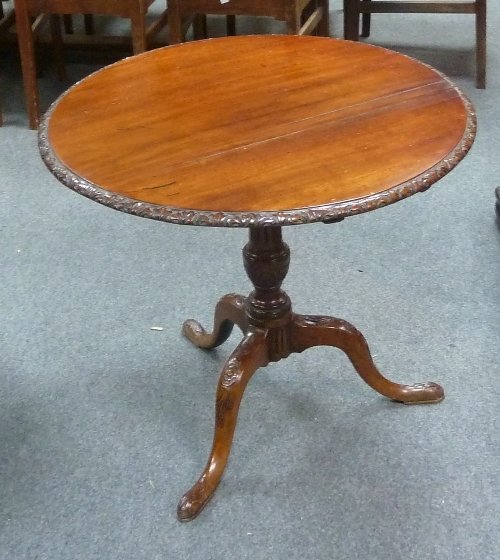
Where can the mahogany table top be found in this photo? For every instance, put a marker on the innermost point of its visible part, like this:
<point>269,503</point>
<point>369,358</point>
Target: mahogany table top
<point>258,130</point>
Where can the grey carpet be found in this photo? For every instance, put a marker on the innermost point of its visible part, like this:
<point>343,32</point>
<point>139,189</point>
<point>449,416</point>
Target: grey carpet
<point>104,423</point>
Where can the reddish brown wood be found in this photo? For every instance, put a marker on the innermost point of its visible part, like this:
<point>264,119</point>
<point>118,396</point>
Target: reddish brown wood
<point>301,17</point>
<point>353,9</point>
<point>285,130</point>
<point>281,125</point>
<point>271,333</point>
<point>230,311</point>
<point>244,361</point>
<point>309,331</point>
<point>266,259</point>
<point>134,10</point>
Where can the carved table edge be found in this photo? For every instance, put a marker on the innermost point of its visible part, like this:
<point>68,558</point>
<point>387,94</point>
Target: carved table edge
<point>324,213</point>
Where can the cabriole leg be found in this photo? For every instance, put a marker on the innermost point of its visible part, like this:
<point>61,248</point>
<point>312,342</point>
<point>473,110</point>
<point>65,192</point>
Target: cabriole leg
<point>309,331</point>
<point>230,311</point>
<point>236,373</point>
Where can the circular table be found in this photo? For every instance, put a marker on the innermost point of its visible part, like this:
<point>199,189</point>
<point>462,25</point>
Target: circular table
<point>260,132</point>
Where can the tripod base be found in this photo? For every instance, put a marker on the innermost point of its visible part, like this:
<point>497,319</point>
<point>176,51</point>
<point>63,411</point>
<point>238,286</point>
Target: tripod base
<point>271,332</point>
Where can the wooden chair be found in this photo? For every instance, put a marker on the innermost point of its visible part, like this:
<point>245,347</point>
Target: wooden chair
<point>353,9</point>
<point>301,16</point>
<point>7,17</point>
<point>26,10</point>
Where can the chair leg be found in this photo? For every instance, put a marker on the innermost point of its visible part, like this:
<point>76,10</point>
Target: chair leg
<point>351,20</point>
<point>366,23</point>
<point>230,25</point>
<point>323,28</point>
<point>174,23</point>
<point>481,44</point>
<point>138,23</point>
<point>88,22</point>
<point>200,30</point>
<point>292,20</point>
<point>57,46</point>
<point>68,23</point>
<point>27,54</point>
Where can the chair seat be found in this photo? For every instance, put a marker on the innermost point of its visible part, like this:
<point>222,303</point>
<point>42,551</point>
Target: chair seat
<point>354,9</point>
<point>300,16</point>
<point>119,8</point>
<point>418,6</point>
<point>277,9</point>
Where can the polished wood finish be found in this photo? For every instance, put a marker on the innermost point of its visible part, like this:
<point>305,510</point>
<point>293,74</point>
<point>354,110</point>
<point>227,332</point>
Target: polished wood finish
<point>280,133</point>
<point>272,332</point>
<point>353,9</point>
<point>301,17</point>
<point>26,10</point>
<point>281,124</point>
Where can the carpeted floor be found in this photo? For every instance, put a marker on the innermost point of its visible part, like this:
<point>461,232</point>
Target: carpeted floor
<point>104,423</point>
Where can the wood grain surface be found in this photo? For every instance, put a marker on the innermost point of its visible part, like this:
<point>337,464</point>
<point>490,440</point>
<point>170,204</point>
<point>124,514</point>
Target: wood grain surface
<point>258,124</point>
